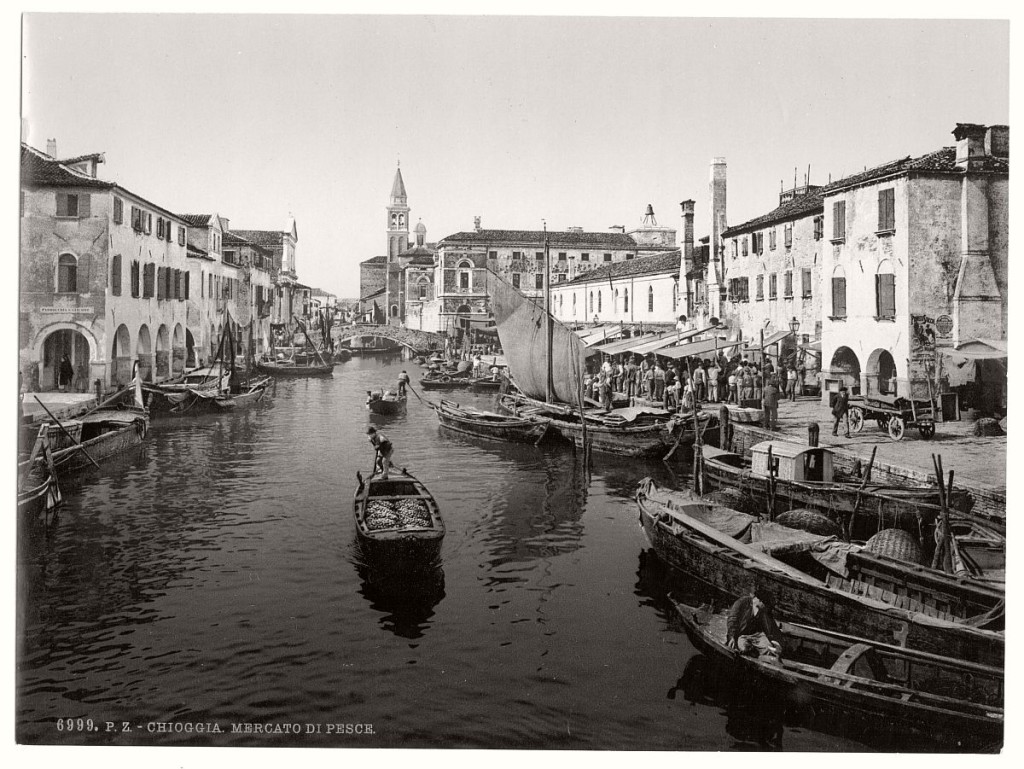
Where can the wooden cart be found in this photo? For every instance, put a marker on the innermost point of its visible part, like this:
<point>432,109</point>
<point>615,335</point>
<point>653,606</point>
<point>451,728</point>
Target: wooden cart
<point>894,415</point>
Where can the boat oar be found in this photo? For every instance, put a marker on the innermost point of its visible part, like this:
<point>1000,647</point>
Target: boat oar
<point>64,430</point>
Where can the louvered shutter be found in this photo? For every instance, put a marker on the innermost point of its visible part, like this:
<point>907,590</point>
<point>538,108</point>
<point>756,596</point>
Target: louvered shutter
<point>84,206</point>
<point>115,275</point>
<point>885,294</point>
<point>187,284</point>
<point>839,220</point>
<point>839,297</point>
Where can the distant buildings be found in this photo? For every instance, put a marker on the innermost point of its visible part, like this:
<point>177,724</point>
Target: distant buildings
<point>110,278</point>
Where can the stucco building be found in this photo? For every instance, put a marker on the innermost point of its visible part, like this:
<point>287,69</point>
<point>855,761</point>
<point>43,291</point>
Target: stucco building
<point>916,264</point>
<point>104,277</point>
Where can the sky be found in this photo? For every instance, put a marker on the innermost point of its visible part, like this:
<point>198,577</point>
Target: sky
<point>572,121</point>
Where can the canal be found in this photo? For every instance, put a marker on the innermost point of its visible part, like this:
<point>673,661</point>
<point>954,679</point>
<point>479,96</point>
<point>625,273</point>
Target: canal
<point>212,579</point>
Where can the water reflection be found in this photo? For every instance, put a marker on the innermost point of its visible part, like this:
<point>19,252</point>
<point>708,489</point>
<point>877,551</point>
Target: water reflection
<point>406,599</point>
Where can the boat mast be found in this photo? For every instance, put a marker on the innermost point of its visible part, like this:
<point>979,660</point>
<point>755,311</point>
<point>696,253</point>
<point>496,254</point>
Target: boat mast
<point>550,329</point>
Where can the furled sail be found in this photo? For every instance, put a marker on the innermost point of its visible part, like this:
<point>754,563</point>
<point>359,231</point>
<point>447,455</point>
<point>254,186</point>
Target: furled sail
<point>522,329</point>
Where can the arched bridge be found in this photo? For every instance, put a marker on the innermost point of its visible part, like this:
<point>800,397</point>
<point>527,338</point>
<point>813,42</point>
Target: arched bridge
<point>417,341</point>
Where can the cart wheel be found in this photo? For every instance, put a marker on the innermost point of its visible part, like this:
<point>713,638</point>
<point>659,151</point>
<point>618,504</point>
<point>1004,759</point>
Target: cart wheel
<point>856,419</point>
<point>896,428</point>
<point>883,424</point>
<point>926,430</point>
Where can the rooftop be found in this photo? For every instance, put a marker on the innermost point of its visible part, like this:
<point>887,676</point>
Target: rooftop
<point>643,265</point>
<point>614,240</point>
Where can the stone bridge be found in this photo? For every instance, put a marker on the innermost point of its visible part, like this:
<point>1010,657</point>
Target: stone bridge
<point>417,341</point>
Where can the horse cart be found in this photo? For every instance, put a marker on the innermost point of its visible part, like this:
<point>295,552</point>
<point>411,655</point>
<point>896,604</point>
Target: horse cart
<point>894,415</point>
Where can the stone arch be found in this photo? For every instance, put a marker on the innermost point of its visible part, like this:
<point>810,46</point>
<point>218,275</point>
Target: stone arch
<point>190,349</point>
<point>845,366</point>
<point>52,343</point>
<point>144,352</point>
<point>121,357</point>
<point>178,350</point>
<point>163,352</point>
<point>880,373</point>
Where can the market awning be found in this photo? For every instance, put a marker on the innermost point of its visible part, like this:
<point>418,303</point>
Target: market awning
<point>696,348</point>
<point>774,338</point>
<point>624,345</point>
<point>977,349</point>
<point>658,344</point>
<point>599,335</point>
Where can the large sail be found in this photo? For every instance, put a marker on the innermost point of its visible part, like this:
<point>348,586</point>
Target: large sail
<point>522,329</point>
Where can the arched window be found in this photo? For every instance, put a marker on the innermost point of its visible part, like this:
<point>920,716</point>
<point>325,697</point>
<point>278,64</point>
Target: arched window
<point>675,295</point>
<point>599,301</point>
<point>650,299</point>
<point>465,268</point>
<point>591,302</point>
<point>560,298</point>
<point>625,300</point>
<point>67,274</point>
<point>885,291</point>
<point>574,305</point>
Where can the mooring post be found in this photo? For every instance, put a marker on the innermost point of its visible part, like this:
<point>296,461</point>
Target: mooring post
<point>812,434</point>
<point>723,427</point>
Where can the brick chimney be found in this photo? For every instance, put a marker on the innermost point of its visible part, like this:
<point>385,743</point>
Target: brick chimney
<point>476,223</point>
<point>51,147</point>
<point>997,141</point>
<point>970,145</point>
<point>687,206</point>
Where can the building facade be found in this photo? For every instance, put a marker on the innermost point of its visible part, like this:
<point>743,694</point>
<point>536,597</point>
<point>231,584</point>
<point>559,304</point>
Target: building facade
<point>916,261</point>
<point>771,269</point>
<point>104,278</point>
<point>281,245</point>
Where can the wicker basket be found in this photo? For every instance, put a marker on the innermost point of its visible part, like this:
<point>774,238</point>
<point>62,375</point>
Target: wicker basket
<point>810,521</point>
<point>895,543</point>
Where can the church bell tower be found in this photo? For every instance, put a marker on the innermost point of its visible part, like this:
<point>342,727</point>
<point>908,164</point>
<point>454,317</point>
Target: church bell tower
<point>398,218</point>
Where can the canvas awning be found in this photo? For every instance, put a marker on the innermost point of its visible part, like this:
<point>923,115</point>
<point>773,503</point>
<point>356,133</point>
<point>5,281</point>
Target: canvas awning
<point>659,344</point>
<point>599,335</point>
<point>977,349</point>
<point>696,348</point>
<point>625,345</point>
<point>774,338</point>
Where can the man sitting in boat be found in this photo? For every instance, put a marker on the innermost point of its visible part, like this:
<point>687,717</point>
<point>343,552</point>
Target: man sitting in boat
<point>751,629</point>
<point>384,449</point>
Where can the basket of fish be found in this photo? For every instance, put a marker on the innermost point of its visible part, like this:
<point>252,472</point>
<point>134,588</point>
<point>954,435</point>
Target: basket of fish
<point>398,521</point>
<point>396,513</point>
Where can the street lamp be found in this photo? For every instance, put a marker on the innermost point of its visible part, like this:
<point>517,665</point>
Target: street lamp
<point>794,325</point>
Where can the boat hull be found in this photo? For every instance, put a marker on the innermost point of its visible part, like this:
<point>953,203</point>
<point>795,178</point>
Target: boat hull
<point>274,369</point>
<point>737,570</point>
<point>850,687</point>
<point>409,544</point>
<point>386,407</point>
<point>107,445</point>
<point>516,430</point>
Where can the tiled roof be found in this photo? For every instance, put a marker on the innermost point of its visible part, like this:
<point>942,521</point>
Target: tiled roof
<point>798,207</point>
<point>417,251</point>
<point>614,240</point>
<point>262,237</point>
<point>643,265</point>
<point>196,220</point>
<point>422,260</point>
<point>939,161</point>
<point>40,170</point>
<point>234,239</point>
<point>379,292</point>
<point>375,260</point>
<point>195,251</point>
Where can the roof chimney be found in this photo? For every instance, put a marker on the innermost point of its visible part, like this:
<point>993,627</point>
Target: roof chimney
<point>476,223</point>
<point>970,145</point>
<point>997,141</point>
<point>687,206</point>
<point>51,147</point>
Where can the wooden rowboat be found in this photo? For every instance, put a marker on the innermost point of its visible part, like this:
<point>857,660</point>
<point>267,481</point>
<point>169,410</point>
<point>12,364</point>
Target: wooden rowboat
<point>384,402</point>
<point>398,521</point>
<point>487,424</point>
<point>890,688</point>
<point>288,368</point>
<point>735,553</point>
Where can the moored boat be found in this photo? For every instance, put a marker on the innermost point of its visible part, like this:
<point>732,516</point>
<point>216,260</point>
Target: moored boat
<point>804,575</point>
<point>958,704</point>
<point>398,521</point>
<point>799,476</point>
<point>446,380</point>
<point>487,424</point>
<point>181,395</point>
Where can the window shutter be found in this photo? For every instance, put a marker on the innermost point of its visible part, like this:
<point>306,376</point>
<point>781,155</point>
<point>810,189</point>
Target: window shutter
<point>159,282</point>
<point>839,297</point>
<point>805,279</point>
<point>839,220</point>
<point>115,275</point>
<point>887,209</point>
<point>84,206</point>
<point>885,295</point>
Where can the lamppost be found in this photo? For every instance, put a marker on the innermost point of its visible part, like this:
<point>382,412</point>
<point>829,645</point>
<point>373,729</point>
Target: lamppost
<point>794,325</point>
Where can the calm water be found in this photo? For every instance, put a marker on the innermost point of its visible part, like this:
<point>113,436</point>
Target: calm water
<point>213,579</point>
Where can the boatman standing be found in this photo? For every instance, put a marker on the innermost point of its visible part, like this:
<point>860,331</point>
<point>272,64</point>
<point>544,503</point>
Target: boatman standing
<point>384,449</point>
<point>403,381</point>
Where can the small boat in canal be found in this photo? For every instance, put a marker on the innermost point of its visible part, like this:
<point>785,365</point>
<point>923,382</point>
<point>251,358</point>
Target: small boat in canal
<point>487,424</point>
<point>188,392</point>
<point>385,402</point>
<point>807,578</point>
<point>959,704</point>
<point>799,476</point>
<point>398,521</point>
<point>39,494</point>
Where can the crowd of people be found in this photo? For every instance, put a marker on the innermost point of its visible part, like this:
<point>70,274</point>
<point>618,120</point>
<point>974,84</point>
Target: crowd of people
<point>681,385</point>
